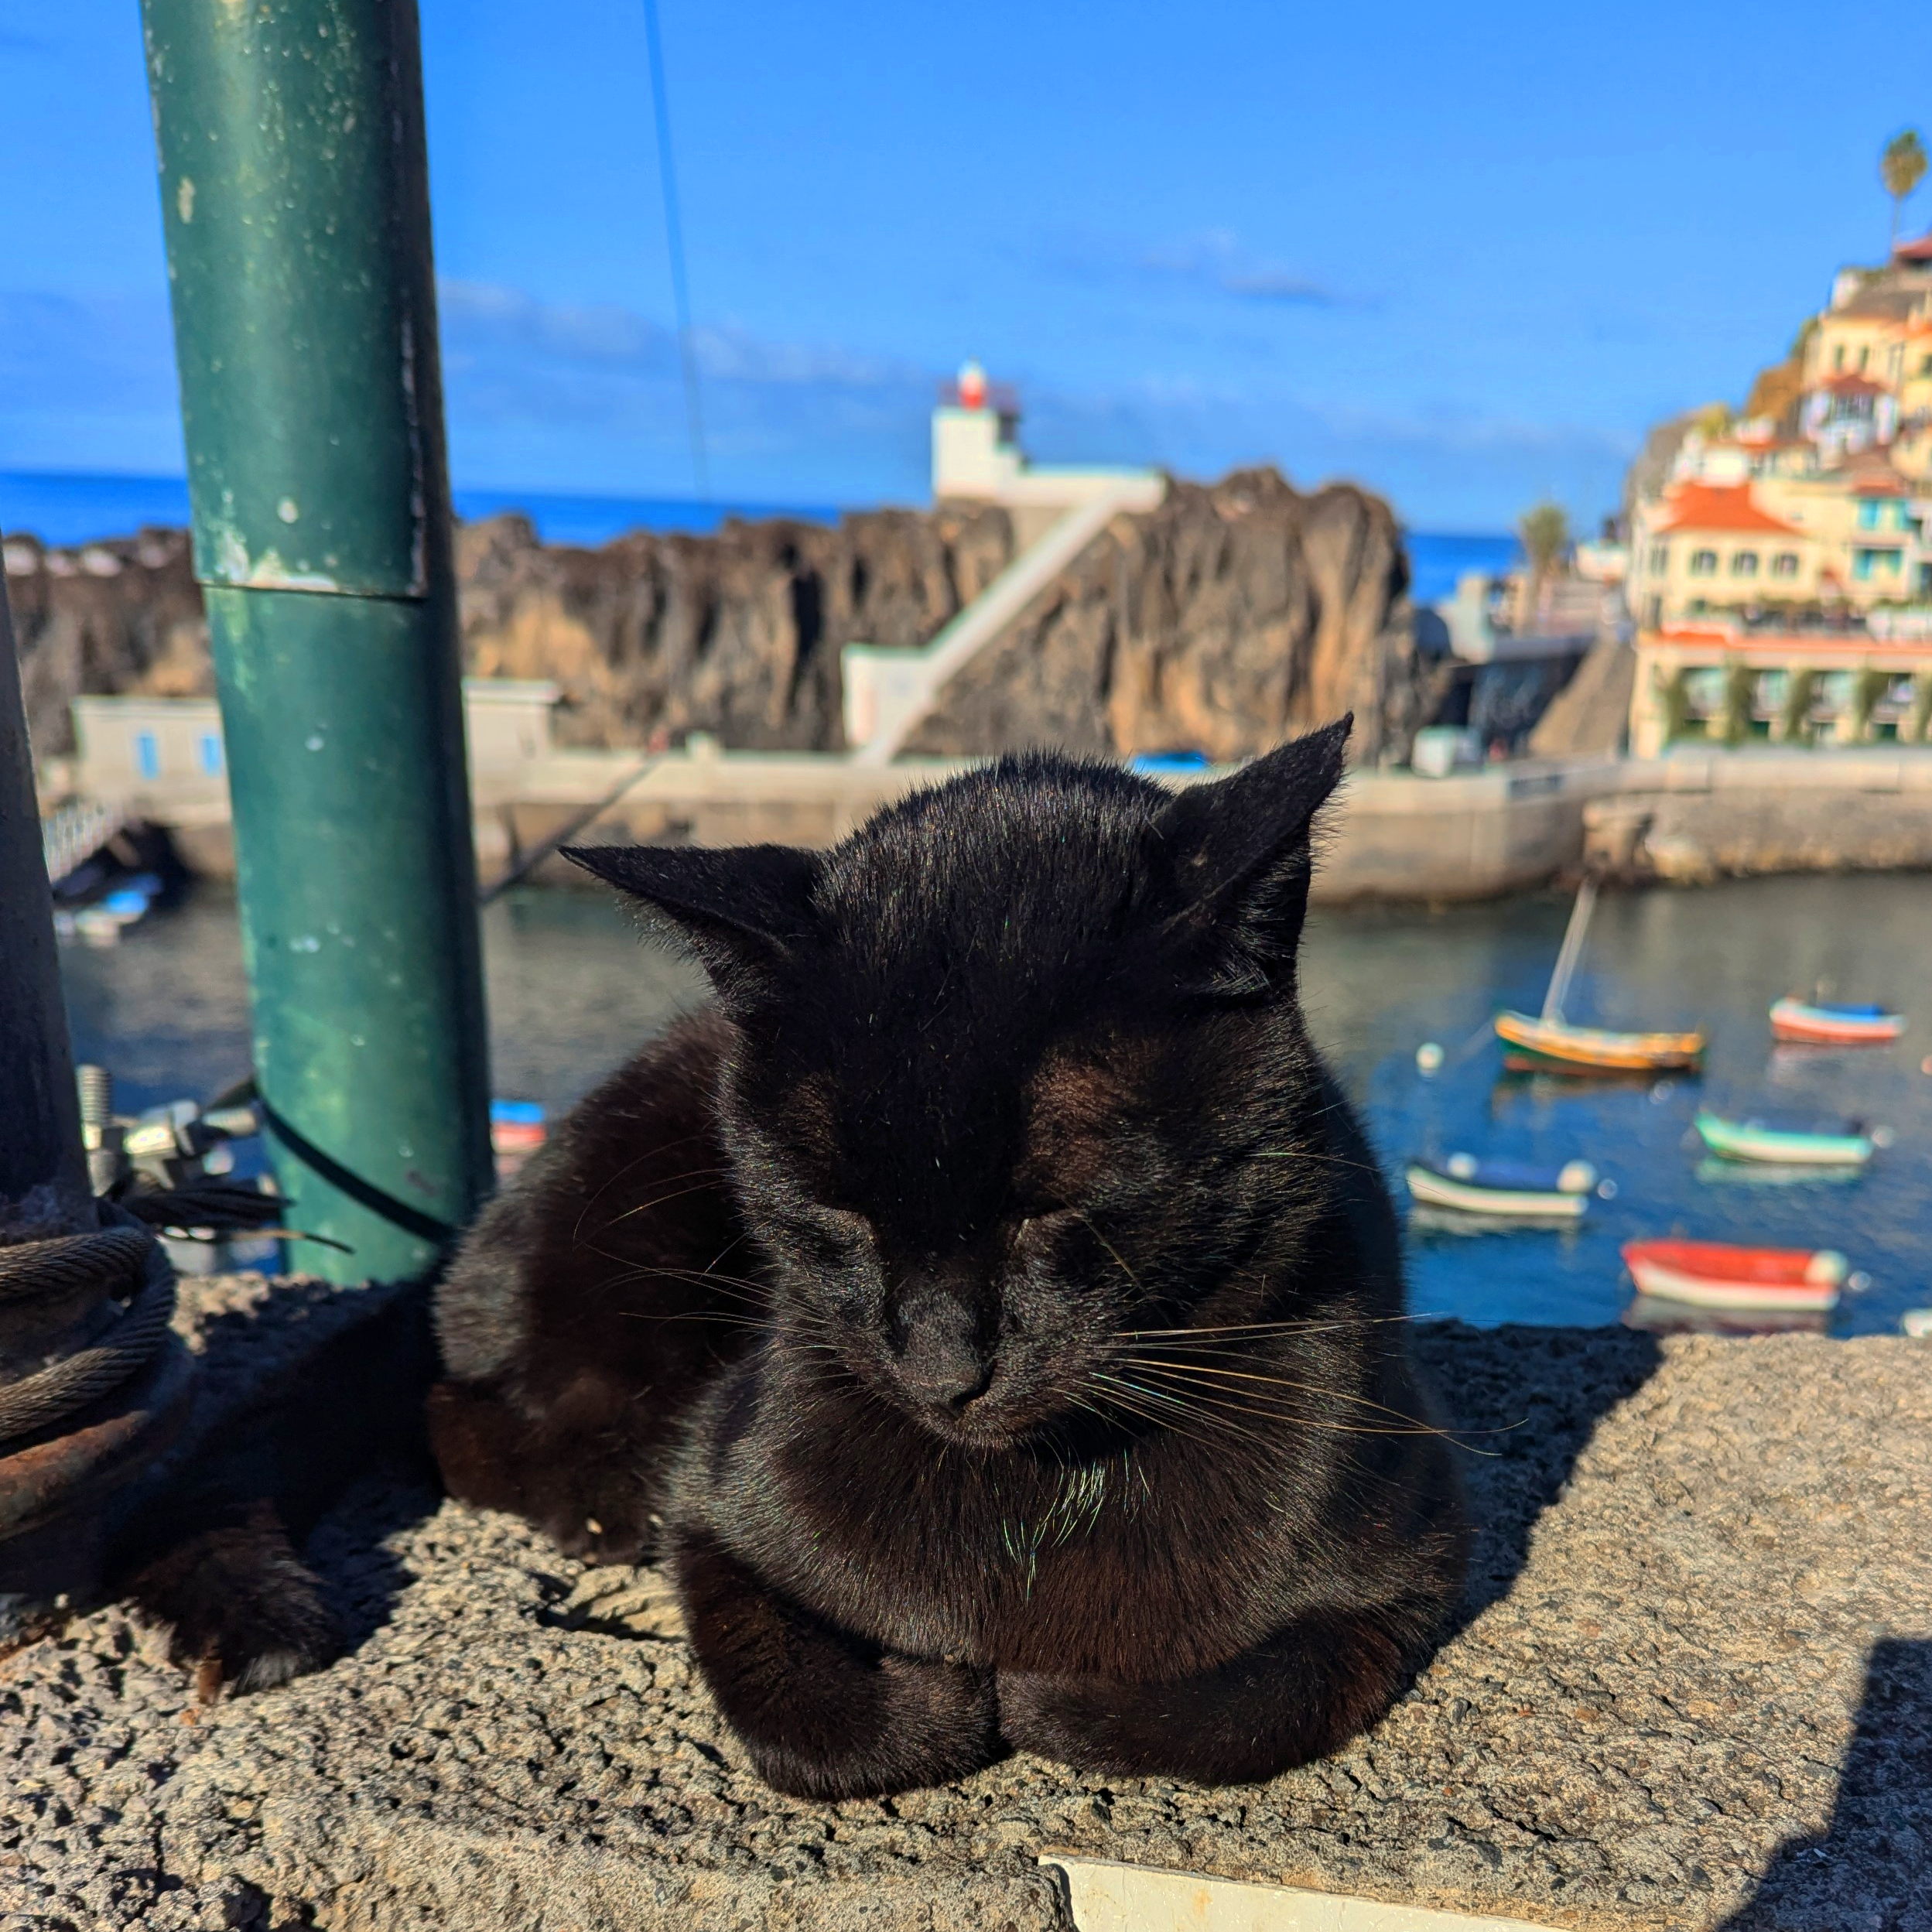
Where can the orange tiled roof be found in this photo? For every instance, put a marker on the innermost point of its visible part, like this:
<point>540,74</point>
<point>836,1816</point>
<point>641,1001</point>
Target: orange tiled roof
<point>1718,506</point>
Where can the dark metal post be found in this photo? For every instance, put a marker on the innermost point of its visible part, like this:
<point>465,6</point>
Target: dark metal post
<point>294,196</point>
<point>43,1173</point>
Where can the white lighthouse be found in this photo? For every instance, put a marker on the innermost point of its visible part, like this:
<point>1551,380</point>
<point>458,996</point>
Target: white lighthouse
<point>976,456</point>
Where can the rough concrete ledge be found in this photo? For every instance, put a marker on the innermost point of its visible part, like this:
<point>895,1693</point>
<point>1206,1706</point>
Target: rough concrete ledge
<point>1692,1689</point>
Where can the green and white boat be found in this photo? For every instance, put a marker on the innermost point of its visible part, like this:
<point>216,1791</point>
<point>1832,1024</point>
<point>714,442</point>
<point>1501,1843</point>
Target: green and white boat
<point>1750,1141</point>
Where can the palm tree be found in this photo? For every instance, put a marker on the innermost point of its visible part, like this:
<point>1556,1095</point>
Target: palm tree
<point>1901,167</point>
<point>1545,534</point>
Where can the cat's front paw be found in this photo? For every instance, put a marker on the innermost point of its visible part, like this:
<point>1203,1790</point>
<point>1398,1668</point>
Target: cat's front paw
<point>1296,1696</point>
<point>913,1724</point>
<point>825,1715</point>
<point>1090,1723</point>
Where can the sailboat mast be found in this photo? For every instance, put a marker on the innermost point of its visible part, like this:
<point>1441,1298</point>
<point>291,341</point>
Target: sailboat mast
<point>1572,949</point>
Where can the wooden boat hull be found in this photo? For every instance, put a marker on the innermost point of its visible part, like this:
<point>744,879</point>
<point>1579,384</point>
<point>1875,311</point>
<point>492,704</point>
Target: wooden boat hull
<point>1558,1044</point>
<point>1436,1190</point>
<point>1711,1274</point>
<point>1741,1140</point>
<point>1819,1026</point>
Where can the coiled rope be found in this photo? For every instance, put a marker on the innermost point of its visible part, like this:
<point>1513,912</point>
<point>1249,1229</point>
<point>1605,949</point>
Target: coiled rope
<point>120,1264</point>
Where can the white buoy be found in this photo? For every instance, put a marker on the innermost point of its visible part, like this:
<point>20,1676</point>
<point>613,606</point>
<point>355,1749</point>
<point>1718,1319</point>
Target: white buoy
<point>1428,1059</point>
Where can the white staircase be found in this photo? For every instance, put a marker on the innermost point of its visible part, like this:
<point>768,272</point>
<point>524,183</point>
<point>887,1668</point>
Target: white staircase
<point>889,692</point>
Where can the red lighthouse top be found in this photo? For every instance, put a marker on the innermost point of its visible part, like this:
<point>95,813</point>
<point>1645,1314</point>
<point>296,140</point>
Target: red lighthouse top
<point>972,386</point>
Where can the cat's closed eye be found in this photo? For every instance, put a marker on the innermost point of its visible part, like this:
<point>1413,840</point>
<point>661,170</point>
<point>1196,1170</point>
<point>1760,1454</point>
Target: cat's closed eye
<point>835,1237</point>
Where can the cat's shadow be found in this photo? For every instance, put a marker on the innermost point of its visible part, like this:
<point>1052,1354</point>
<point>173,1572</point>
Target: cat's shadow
<point>1525,1402</point>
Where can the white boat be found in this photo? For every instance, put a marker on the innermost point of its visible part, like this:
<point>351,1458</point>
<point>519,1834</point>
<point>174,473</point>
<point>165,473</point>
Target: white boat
<point>1503,1190</point>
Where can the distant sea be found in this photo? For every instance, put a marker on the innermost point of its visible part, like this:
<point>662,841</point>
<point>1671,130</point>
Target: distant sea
<point>62,507</point>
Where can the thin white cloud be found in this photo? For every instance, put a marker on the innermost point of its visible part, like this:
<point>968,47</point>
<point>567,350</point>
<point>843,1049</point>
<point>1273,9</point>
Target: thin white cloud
<point>1216,261</point>
<point>481,319</point>
<point>589,396</point>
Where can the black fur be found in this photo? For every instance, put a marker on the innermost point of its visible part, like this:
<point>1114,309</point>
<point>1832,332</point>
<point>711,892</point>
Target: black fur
<point>991,1309</point>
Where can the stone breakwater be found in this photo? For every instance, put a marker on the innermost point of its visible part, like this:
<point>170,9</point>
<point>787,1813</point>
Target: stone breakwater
<point>1231,616</point>
<point>1691,1688</point>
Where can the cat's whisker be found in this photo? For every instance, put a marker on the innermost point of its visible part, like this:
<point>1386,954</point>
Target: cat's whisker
<point>630,1166</point>
<point>1299,1325</point>
<point>1163,1400</point>
<point>1310,1153</point>
<point>752,1293</point>
<point>700,1177</point>
<point>1204,1369</point>
<point>1087,1223</point>
<point>1281,1412</point>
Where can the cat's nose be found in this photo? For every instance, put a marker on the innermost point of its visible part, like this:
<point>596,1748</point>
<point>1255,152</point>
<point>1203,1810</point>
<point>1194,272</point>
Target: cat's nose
<point>950,1378</point>
<point>941,1360</point>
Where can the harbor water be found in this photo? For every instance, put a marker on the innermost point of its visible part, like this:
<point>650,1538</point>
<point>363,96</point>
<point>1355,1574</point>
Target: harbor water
<point>573,990</point>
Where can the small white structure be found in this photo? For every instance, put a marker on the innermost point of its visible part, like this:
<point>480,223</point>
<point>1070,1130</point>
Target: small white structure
<point>1056,512</point>
<point>976,456</point>
<point>134,747</point>
<point>507,721</point>
<point>131,745</point>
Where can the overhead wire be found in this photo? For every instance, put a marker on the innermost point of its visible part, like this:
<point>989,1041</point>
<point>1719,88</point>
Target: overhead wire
<point>674,242</point>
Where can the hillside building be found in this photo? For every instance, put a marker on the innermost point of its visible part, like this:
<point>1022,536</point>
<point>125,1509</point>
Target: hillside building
<point>1781,577</point>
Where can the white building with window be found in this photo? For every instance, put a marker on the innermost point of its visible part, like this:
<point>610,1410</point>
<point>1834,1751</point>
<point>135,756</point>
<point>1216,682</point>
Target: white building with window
<point>148,752</point>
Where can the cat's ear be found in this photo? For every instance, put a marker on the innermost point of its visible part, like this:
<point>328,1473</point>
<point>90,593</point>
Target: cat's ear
<point>1238,861</point>
<point>744,911</point>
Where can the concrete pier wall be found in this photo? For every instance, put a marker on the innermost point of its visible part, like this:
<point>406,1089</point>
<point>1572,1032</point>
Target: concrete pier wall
<point>1686,817</point>
<point>1689,1690</point>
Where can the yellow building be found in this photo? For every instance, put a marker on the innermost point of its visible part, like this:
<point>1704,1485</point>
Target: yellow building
<point>1784,534</point>
<point>1780,577</point>
<point>1705,547</point>
<point>1723,683</point>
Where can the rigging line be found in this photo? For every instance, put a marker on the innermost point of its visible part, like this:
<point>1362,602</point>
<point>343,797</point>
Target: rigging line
<point>674,242</point>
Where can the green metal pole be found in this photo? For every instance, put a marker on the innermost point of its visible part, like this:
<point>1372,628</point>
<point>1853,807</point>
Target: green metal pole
<point>294,191</point>
<point>43,1173</point>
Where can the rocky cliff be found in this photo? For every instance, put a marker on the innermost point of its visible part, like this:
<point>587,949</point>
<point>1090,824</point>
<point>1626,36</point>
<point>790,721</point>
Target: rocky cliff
<point>1233,614</point>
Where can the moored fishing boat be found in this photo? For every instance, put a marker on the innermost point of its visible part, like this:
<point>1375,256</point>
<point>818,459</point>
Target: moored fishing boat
<point>1751,1140</point>
<point>1716,1274</point>
<point>1821,1024</point>
<point>1554,1042</point>
<point>1548,1039</point>
<point>1506,1190</point>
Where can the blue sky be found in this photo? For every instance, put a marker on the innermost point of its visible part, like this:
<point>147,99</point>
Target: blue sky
<point>1465,256</point>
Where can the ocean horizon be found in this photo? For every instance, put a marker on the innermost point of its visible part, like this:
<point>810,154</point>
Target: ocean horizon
<point>72,507</point>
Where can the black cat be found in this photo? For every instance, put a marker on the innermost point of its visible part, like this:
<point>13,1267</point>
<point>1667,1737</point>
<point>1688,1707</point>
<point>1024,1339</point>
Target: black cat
<point>991,1309</point>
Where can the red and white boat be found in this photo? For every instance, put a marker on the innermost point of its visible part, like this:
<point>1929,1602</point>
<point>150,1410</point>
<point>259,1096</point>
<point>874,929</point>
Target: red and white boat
<point>1714,1274</point>
<point>1834,1026</point>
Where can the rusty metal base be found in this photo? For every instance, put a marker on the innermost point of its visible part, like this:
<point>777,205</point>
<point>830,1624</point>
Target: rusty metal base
<point>53,1488</point>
